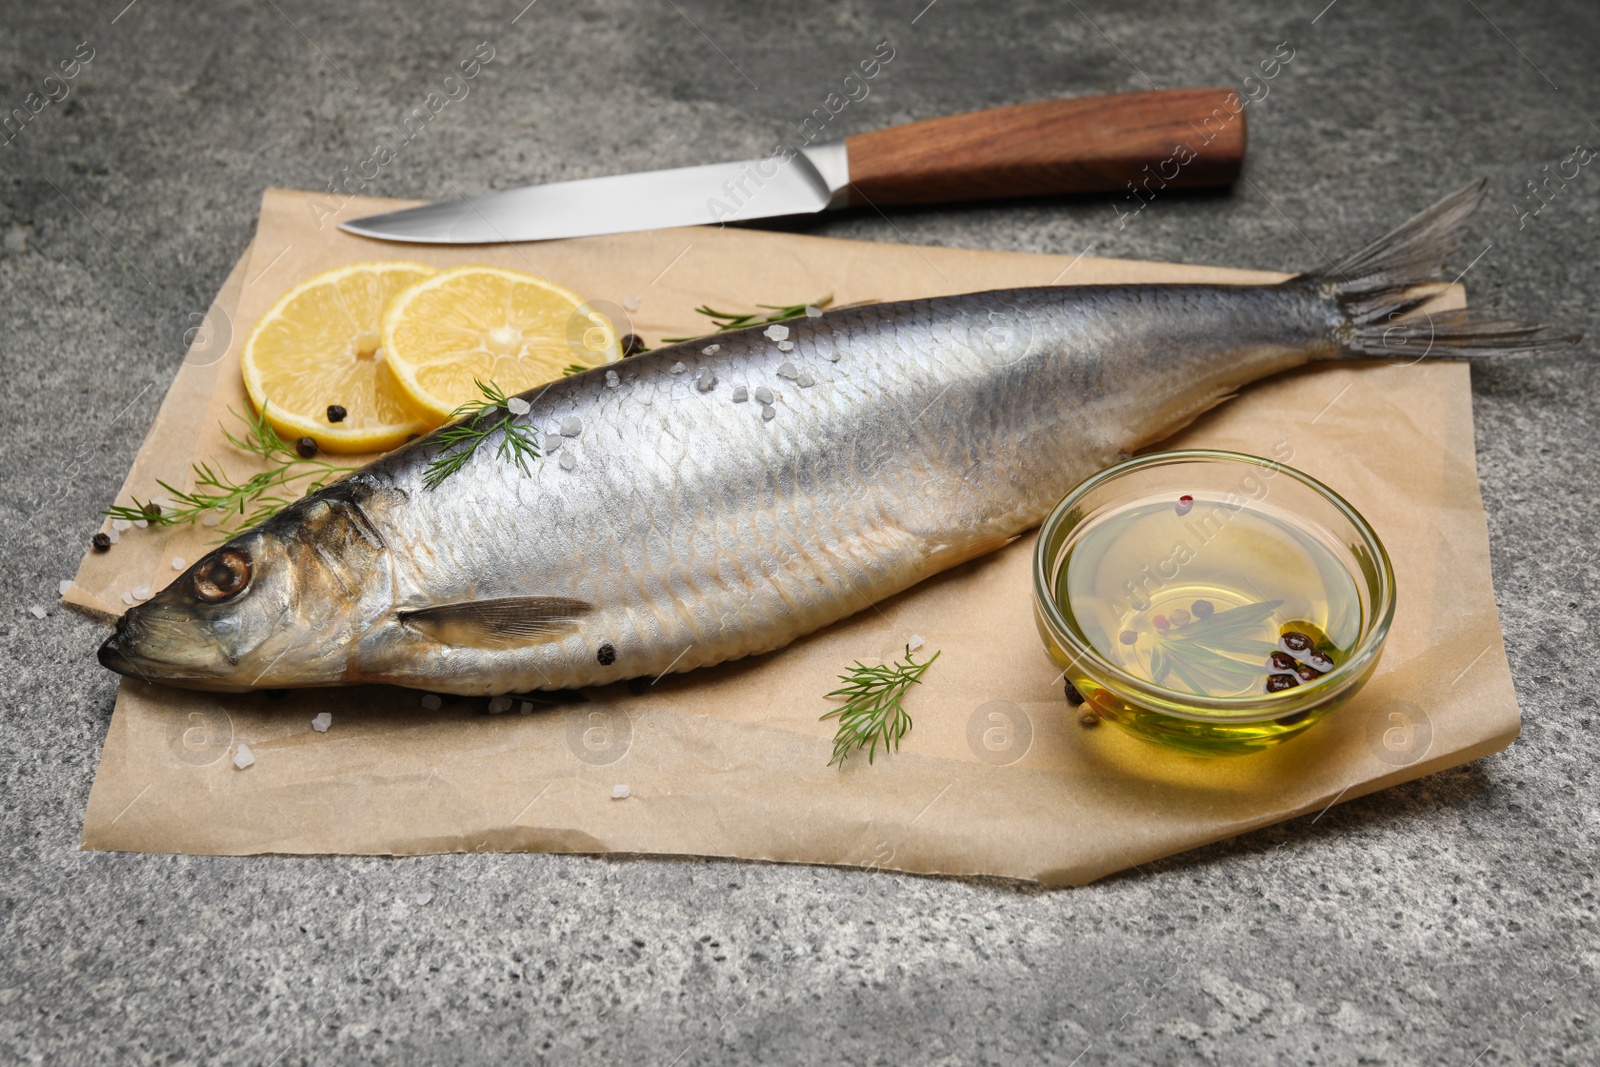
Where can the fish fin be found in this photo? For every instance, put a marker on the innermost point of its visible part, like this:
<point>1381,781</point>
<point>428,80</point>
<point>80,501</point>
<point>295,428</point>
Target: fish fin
<point>1381,290</point>
<point>505,622</point>
<point>942,557</point>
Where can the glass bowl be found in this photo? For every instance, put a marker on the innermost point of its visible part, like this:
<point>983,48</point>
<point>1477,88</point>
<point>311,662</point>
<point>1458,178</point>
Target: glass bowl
<point>1213,531</point>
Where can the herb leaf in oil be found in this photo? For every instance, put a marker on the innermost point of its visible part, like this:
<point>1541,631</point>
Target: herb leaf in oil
<point>1203,654</point>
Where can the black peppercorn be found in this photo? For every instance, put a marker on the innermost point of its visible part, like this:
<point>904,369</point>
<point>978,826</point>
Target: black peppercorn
<point>306,447</point>
<point>1073,696</point>
<point>607,655</point>
<point>101,542</point>
<point>336,413</point>
<point>632,345</point>
<point>1277,683</point>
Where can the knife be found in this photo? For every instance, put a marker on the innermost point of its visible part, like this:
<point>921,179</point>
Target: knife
<point>1135,142</point>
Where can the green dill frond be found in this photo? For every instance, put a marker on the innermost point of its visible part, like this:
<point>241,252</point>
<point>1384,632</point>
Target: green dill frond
<point>249,502</point>
<point>873,713</point>
<point>477,421</point>
<point>732,320</point>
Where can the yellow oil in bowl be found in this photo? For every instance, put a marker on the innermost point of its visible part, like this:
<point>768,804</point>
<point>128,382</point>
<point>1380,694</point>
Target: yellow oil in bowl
<point>1210,600</point>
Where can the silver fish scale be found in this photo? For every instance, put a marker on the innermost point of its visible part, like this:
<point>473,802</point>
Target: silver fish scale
<point>701,532</point>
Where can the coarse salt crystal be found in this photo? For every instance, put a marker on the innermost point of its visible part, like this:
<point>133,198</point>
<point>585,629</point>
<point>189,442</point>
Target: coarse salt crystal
<point>785,346</point>
<point>740,394</point>
<point>620,792</point>
<point>806,380</point>
<point>777,332</point>
<point>211,519</point>
<point>120,524</point>
<point>711,350</point>
<point>552,442</point>
<point>498,705</point>
<point>37,611</point>
<point>242,756</point>
<point>768,413</point>
<point>142,593</point>
<point>178,563</point>
<point>813,312</point>
<point>432,702</point>
<point>677,368</point>
<point>832,355</point>
<point>65,586</point>
<point>571,426</point>
<point>114,535</point>
<point>631,301</point>
<point>763,394</point>
<point>321,721</point>
<point>707,381</point>
<point>568,461</point>
<point>915,643</point>
<point>613,379</point>
<point>127,597</point>
<point>423,899</point>
<point>518,406</point>
<point>786,370</point>
<point>141,523</point>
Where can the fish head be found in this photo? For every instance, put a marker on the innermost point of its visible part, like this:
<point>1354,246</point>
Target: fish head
<point>281,605</point>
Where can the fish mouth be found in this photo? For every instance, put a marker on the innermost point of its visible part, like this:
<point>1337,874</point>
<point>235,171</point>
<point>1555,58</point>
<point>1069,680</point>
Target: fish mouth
<point>113,658</point>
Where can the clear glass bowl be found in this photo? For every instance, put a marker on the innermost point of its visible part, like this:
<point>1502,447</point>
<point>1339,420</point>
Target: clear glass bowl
<point>1194,722</point>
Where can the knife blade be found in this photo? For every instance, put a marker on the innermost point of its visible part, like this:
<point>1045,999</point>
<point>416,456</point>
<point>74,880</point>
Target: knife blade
<point>1142,142</point>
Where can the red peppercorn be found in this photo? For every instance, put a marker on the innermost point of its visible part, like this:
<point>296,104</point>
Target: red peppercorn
<point>1185,502</point>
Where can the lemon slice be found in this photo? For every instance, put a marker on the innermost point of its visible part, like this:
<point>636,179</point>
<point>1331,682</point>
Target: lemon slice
<point>493,325</point>
<point>318,347</point>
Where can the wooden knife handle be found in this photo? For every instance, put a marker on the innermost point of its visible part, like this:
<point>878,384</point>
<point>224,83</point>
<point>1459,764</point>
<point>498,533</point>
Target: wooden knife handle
<point>1170,138</point>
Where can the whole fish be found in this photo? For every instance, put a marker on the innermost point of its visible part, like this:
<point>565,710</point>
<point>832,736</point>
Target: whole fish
<point>723,497</point>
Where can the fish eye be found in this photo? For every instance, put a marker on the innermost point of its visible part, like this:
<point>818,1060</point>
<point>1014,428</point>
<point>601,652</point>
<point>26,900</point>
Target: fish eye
<point>224,576</point>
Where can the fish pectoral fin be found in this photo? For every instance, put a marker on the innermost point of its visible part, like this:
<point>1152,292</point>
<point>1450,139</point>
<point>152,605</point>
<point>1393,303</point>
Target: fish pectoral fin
<point>943,556</point>
<point>504,622</point>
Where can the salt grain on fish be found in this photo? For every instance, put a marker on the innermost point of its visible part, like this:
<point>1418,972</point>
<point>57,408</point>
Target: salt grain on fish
<point>518,406</point>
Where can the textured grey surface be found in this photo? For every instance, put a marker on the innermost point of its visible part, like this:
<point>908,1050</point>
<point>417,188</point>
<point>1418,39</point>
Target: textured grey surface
<point>1450,920</point>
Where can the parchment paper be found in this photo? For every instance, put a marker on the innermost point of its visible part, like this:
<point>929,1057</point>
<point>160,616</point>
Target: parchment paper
<point>997,777</point>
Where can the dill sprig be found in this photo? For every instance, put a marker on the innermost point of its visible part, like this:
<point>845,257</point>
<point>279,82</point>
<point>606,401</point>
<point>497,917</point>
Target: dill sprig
<point>574,368</point>
<point>253,500</point>
<point>873,712</point>
<point>732,320</point>
<point>478,421</point>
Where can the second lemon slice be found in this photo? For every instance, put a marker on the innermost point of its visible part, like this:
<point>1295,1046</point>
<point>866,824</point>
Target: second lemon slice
<point>493,325</point>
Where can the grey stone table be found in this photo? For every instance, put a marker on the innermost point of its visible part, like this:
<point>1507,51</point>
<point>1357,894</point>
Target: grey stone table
<point>1450,920</point>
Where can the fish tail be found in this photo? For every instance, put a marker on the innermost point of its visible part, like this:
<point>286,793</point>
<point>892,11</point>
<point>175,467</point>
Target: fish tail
<point>1381,289</point>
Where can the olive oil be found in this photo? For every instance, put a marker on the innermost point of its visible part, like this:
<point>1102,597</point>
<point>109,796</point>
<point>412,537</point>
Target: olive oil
<point>1210,594</point>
